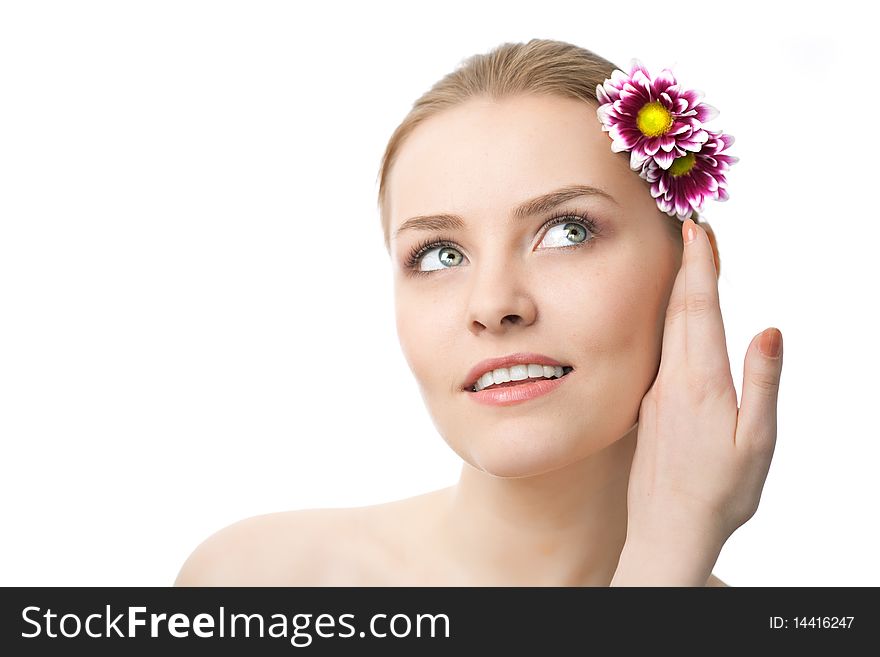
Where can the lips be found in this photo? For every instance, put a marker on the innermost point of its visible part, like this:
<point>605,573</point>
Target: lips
<point>501,396</point>
<point>520,358</point>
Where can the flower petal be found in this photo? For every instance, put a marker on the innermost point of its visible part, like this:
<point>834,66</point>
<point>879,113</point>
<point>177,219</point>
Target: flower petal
<point>636,160</point>
<point>706,112</point>
<point>664,159</point>
<point>663,80</point>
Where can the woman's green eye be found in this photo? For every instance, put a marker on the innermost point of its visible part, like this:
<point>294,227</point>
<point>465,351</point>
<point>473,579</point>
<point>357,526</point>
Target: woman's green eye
<point>444,255</point>
<point>568,234</point>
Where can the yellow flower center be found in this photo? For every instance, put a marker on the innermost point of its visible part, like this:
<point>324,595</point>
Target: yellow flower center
<point>654,119</point>
<point>682,165</point>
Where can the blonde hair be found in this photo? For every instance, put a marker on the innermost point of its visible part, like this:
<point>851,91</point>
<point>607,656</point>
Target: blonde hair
<point>541,66</point>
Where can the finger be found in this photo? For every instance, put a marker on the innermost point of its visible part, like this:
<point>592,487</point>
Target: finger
<point>756,422</point>
<point>694,330</point>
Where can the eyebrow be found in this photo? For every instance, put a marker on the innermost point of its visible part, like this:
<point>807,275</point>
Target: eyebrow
<point>537,205</point>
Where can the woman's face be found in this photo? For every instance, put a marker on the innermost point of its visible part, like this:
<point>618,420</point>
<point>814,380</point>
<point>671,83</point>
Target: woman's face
<point>509,283</point>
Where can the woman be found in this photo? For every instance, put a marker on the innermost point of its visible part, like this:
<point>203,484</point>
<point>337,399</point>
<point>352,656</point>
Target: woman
<point>525,248</point>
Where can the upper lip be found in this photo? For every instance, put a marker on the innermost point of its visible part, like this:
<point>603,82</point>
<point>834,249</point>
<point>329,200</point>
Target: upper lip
<point>521,358</point>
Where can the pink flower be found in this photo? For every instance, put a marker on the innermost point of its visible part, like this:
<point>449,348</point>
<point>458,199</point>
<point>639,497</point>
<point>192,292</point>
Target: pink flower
<point>661,125</point>
<point>692,179</point>
<point>652,118</point>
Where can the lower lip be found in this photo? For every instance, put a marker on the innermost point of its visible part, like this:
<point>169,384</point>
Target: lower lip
<point>510,395</point>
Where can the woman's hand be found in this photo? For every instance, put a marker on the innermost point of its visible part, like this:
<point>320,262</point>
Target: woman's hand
<point>700,463</point>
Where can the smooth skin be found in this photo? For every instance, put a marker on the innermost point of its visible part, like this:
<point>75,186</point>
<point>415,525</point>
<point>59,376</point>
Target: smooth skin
<point>634,471</point>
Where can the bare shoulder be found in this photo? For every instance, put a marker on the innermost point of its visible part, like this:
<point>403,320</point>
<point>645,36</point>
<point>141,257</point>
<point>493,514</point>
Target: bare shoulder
<point>714,581</point>
<point>356,546</point>
<point>290,548</point>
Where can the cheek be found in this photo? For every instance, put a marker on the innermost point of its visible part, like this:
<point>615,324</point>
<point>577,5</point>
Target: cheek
<point>422,329</point>
<point>638,310</point>
<point>613,313</point>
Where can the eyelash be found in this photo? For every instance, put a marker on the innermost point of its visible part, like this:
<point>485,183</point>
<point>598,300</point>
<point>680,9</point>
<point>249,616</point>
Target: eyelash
<point>412,260</point>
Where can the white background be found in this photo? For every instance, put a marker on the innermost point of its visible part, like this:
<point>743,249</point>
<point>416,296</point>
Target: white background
<point>196,311</point>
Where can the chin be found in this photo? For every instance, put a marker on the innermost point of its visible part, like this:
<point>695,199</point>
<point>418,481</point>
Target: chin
<point>516,456</point>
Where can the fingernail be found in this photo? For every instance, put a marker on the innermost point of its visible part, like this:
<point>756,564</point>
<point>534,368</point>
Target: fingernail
<point>771,343</point>
<point>691,232</point>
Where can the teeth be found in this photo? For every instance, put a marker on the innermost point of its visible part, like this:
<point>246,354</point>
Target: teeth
<point>519,373</point>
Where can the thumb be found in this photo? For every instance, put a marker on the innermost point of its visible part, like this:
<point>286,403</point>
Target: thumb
<point>756,422</point>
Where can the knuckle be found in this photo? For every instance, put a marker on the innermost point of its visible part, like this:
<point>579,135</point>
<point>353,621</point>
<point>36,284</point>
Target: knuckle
<point>692,386</point>
<point>719,384</point>
<point>766,381</point>
<point>707,383</point>
<point>699,303</point>
<point>675,309</point>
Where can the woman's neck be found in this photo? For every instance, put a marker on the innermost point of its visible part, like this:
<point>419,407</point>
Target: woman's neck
<point>561,528</point>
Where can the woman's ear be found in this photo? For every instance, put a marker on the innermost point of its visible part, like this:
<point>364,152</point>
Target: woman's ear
<point>714,244</point>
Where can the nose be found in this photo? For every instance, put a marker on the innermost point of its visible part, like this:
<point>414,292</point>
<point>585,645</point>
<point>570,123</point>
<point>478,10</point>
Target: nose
<point>499,298</point>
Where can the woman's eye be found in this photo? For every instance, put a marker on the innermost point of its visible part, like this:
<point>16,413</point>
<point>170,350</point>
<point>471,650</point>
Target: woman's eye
<point>444,256</point>
<point>566,234</point>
